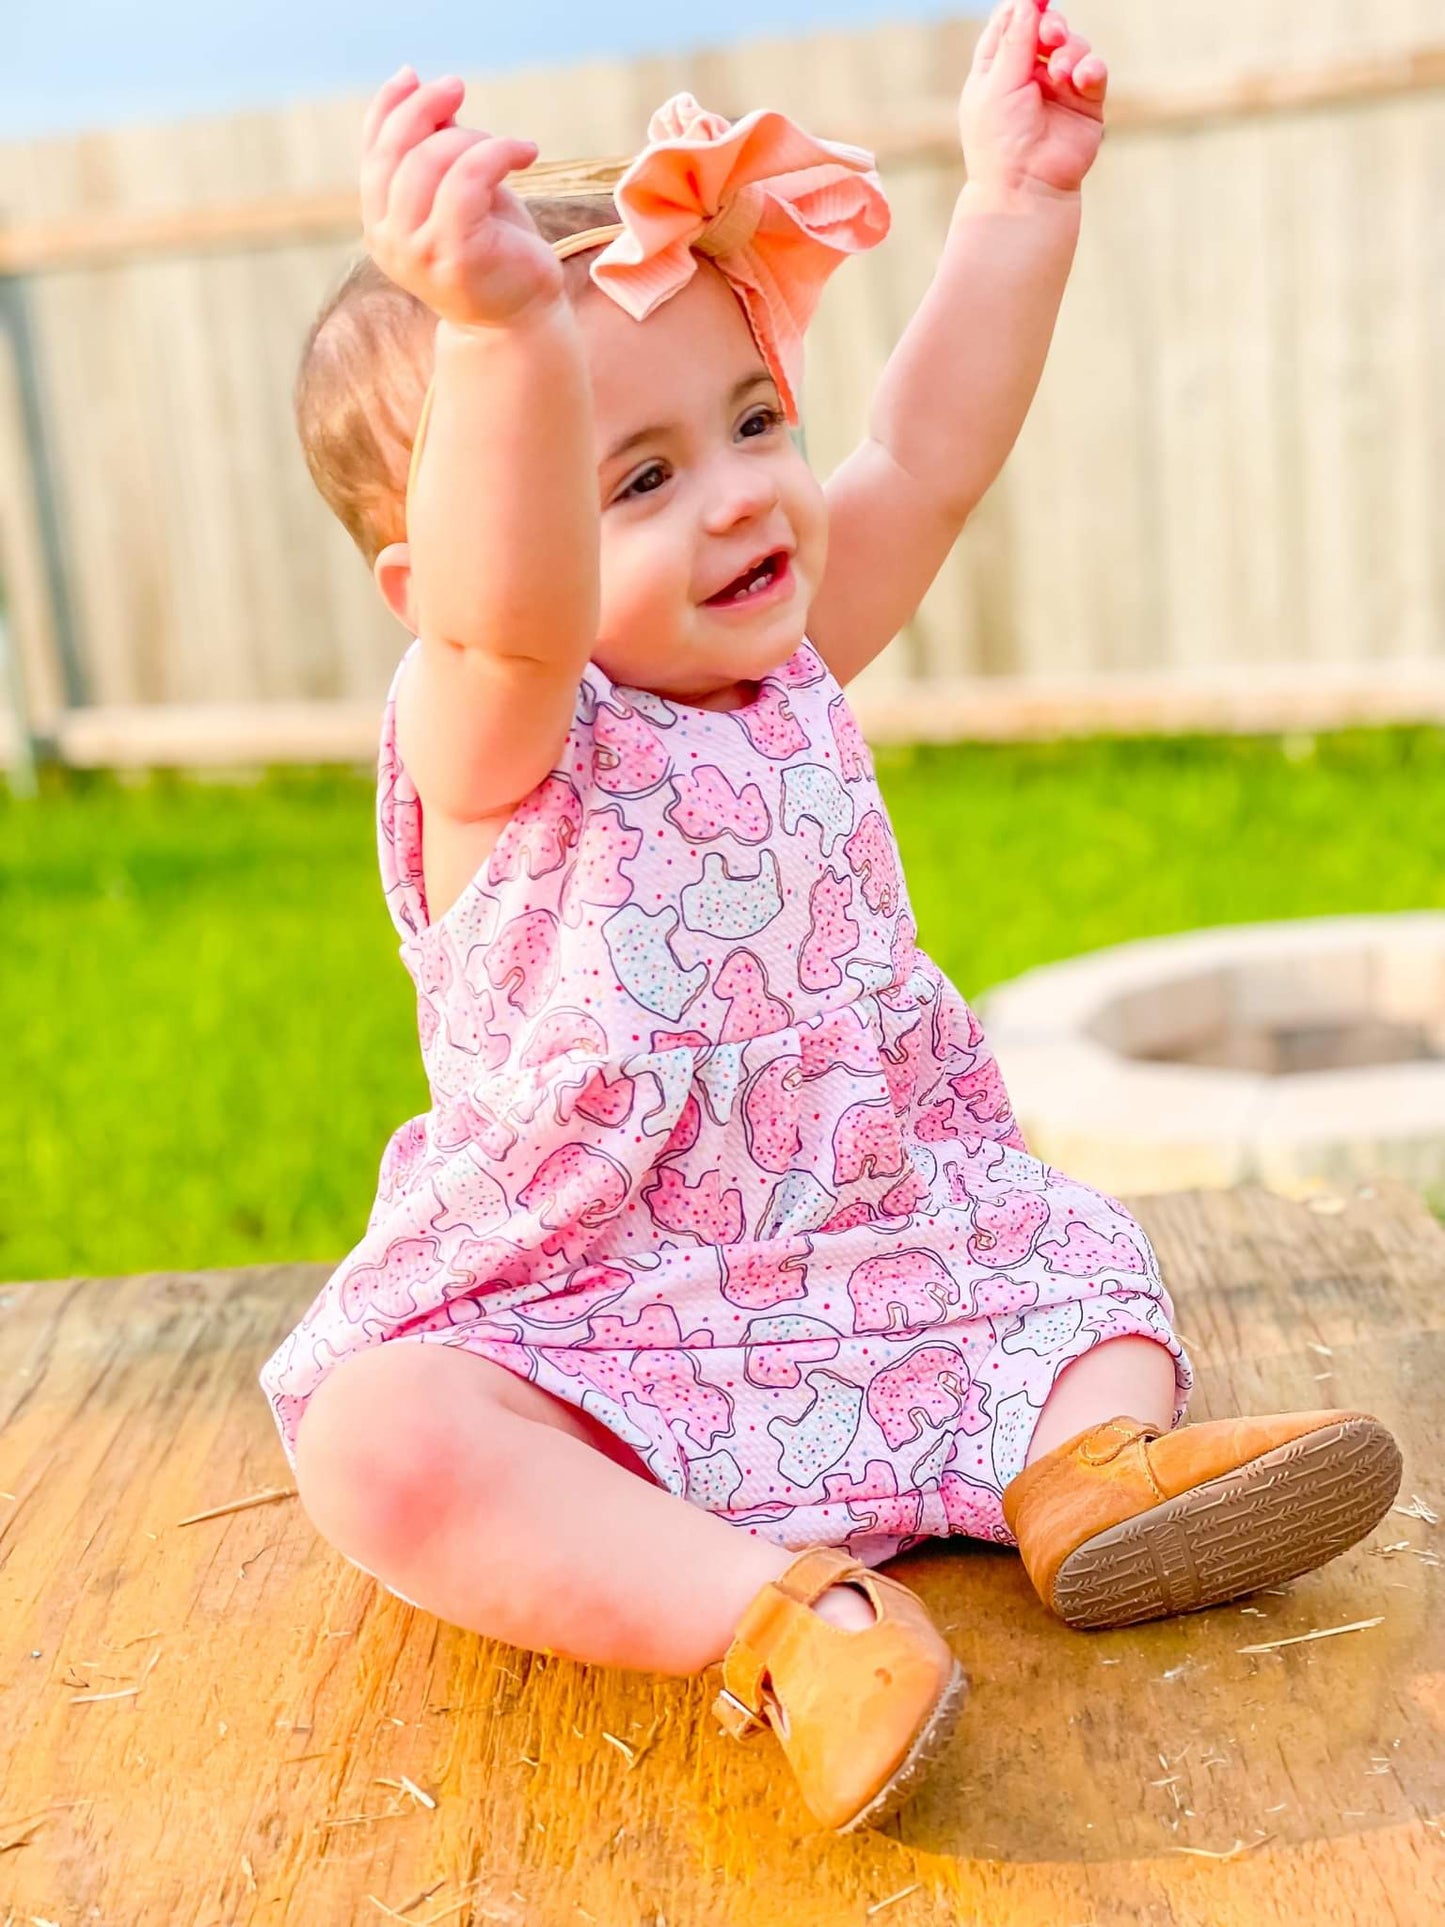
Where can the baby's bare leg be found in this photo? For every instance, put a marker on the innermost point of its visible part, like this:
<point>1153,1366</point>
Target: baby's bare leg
<point>476,1496</point>
<point>1124,1376</point>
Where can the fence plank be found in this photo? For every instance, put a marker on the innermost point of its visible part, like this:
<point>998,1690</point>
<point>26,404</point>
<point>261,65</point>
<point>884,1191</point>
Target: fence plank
<point>31,625</point>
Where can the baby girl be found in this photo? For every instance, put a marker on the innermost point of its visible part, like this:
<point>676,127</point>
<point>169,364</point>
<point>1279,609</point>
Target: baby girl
<point>727,1273</point>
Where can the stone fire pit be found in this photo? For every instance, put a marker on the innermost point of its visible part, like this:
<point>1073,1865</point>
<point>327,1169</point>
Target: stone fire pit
<point>1298,1055</point>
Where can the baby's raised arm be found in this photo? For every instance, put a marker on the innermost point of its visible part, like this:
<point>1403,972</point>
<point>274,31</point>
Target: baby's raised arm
<point>953,397</point>
<point>502,520</point>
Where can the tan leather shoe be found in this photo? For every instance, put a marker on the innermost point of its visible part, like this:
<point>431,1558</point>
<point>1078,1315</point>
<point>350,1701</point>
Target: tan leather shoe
<point>860,1715</point>
<point>1123,1522</point>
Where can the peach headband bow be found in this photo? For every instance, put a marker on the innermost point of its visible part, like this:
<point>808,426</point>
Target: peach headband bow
<point>774,209</point>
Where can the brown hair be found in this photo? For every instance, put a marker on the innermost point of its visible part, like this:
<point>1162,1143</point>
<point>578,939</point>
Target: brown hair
<point>364,374</point>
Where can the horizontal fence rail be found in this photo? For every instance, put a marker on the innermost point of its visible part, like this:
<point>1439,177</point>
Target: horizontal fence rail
<point>1224,510</point>
<point>994,709</point>
<point>930,133</point>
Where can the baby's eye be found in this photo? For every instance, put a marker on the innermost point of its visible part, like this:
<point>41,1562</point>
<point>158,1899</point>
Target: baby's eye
<point>642,484</point>
<point>761,420</point>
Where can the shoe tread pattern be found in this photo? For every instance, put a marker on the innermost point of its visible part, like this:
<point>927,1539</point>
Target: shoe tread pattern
<point>1272,1519</point>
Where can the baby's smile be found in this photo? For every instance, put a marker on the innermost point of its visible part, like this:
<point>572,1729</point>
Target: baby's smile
<point>765,582</point>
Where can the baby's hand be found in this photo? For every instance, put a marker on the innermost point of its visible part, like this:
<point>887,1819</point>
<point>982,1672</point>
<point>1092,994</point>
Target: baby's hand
<point>1032,113</point>
<point>436,216</point>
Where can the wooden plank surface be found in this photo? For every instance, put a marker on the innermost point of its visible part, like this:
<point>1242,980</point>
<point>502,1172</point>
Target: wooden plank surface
<point>259,1772</point>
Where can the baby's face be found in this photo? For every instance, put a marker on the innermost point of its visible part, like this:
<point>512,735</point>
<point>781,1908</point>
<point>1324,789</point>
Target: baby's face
<point>699,481</point>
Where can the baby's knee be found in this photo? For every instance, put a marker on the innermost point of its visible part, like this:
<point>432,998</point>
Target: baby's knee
<point>372,1452</point>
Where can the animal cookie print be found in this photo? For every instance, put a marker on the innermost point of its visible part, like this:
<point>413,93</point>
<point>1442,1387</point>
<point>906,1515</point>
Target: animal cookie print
<point>597,878</point>
<point>541,830</point>
<point>812,790</point>
<point>705,806</point>
<point>832,933</point>
<point>639,948</point>
<point>628,758</point>
<point>713,1152</point>
<point>725,905</point>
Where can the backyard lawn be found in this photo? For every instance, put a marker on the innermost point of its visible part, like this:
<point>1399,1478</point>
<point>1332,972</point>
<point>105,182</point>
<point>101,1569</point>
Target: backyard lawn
<point>210,1036</point>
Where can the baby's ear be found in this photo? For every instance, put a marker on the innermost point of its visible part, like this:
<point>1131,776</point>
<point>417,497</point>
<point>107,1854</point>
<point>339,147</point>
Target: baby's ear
<point>392,574</point>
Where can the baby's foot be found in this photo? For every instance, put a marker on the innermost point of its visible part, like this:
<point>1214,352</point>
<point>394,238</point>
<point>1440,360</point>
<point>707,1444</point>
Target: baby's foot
<point>860,1719</point>
<point>848,1607</point>
<point>1123,1522</point>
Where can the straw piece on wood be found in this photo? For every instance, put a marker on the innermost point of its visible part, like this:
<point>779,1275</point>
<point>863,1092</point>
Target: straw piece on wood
<point>1236,1852</point>
<point>1321,1632</point>
<point>125,1692</point>
<point>416,1899</point>
<point>240,1505</point>
<point>408,1786</point>
<point>1417,1509</point>
<point>902,1894</point>
<point>390,1912</point>
<point>363,1819</point>
<point>394,1913</point>
<point>646,1743</point>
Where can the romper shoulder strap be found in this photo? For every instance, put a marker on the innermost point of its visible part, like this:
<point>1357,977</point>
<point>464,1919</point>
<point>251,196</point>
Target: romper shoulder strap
<point>398,823</point>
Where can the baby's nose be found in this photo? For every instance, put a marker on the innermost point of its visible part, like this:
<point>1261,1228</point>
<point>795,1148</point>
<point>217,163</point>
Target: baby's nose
<point>741,490</point>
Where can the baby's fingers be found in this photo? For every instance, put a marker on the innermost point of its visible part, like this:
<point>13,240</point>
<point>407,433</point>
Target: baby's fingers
<point>1053,30</point>
<point>1074,64</point>
<point>415,182</point>
<point>1091,77</point>
<point>1018,45</point>
<point>418,113</point>
<point>402,83</point>
<point>468,188</point>
<point>988,41</point>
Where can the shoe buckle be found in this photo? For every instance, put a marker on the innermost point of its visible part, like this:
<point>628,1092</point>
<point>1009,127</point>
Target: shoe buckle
<point>738,1720</point>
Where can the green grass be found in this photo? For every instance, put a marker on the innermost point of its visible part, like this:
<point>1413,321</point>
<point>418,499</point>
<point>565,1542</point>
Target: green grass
<point>210,1036</point>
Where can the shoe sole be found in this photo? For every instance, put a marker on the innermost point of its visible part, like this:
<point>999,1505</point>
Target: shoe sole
<point>1271,1519</point>
<point>933,1736</point>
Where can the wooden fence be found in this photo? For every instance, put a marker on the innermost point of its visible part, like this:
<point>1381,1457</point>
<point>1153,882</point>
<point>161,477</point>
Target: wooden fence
<point>1227,508</point>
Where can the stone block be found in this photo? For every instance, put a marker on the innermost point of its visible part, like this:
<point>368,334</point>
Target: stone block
<point>1306,1053</point>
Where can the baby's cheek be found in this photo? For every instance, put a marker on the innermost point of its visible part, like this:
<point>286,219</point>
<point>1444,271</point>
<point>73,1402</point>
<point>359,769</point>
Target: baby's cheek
<point>808,512</point>
<point>642,588</point>
<point>623,584</point>
<point>663,582</point>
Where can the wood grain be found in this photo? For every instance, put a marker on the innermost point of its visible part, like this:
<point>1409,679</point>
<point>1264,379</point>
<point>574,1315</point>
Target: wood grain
<point>283,1699</point>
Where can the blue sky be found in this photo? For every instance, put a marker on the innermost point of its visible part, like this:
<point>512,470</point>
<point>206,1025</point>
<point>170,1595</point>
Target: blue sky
<point>79,63</point>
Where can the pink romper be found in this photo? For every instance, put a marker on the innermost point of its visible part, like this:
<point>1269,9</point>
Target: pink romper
<point>715,1153</point>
